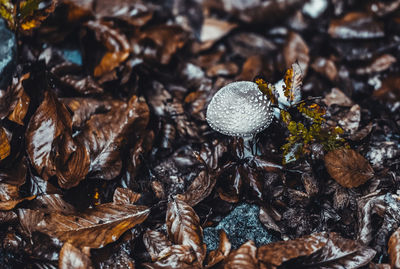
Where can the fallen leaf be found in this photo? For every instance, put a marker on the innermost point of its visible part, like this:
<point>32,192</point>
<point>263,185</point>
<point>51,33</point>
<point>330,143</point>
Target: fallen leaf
<point>50,146</point>
<point>74,258</point>
<point>337,97</point>
<point>183,227</point>
<point>379,64</point>
<point>338,253</point>
<point>155,242</point>
<point>104,135</point>
<point>116,44</point>
<point>351,121</point>
<point>176,256</point>
<point>223,69</point>
<point>349,168</point>
<point>283,251</point>
<point>243,257</point>
<point>200,188</point>
<point>355,25</point>
<point>296,50</point>
<point>325,67</point>
<point>394,249</point>
<point>125,196</point>
<point>5,148</point>
<point>9,196</point>
<point>93,228</point>
<point>219,254</point>
<point>20,109</point>
<point>213,30</point>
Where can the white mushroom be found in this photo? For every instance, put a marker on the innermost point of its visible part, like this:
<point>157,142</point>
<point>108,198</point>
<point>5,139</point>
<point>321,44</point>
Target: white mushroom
<point>239,109</point>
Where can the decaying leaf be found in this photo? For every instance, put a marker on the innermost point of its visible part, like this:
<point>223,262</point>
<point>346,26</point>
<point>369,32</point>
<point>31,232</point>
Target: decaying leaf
<point>125,196</point>
<point>176,256</point>
<point>5,147</point>
<point>394,249</point>
<point>296,50</point>
<point>183,227</point>
<point>9,196</point>
<point>293,81</point>
<point>219,254</point>
<point>349,168</point>
<point>155,243</point>
<point>104,135</point>
<point>243,257</point>
<point>93,228</point>
<point>280,252</point>
<point>199,189</point>
<point>20,108</point>
<point>74,258</point>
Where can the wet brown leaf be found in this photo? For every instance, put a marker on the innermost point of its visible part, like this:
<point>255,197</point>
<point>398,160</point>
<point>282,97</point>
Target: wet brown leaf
<point>355,25</point>
<point>339,253</point>
<point>200,188</point>
<point>51,148</point>
<point>93,228</point>
<point>176,256</point>
<point>223,69</point>
<point>125,196</point>
<point>267,219</point>
<point>389,91</point>
<point>5,147</point>
<point>116,44</point>
<point>280,252</point>
<point>74,258</point>
<point>252,67</point>
<point>219,254</point>
<point>351,121</point>
<point>183,227</point>
<point>155,243</point>
<point>213,30</point>
<point>243,257</point>
<point>379,64</point>
<point>394,249</point>
<point>349,168</point>
<point>50,203</point>
<point>9,196</point>
<point>337,97</point>
<point>325,67</point>
<point>20,109</point>
<point>296,50</point>
<point>104,135</point>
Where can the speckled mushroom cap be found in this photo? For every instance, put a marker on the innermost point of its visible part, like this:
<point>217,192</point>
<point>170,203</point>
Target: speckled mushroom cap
<point>239,109</point>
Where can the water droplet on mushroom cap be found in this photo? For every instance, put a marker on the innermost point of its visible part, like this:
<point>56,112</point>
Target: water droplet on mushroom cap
<point>239,109</point>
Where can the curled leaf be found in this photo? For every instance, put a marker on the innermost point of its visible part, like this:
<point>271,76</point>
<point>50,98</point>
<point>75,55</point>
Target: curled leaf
<point>243,257</point>
<point>5,148</point>
<point>73,258</point>
<point>223,250</point>
<point>155,243</point>
<point>293,81</point>
<point>125,196</point>
<point>349,168</point>
<point>394,249</point>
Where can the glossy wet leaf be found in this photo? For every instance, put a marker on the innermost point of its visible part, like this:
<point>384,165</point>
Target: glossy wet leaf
<point>104,135</point>
<point>20,108</point>
<point>283,251</point>
<point>176,256</point>
<point>93,228</point>
<point>183,227</point>
<point>155,242</point>
<point>9,196</point>
<point>125,196</point>
<point>349,168</point>
<point>243,257</point>
<point>74,258</point>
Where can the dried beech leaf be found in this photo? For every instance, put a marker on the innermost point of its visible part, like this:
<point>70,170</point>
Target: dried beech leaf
<point>338,253</point>
<point>223,250</point>
<point>337,97</point>
<point>183,227</point>
<point>73,258</point>
<point>50,131</point>
<point>280,252</point>
<point>155,243</point>
<point>5,148</point>
<point>200,188</point>
<point>351,121</point>
<point>116,44</point>
<point>349,168</point>
<point>93,228</point>
<point>243,257</point>
<point>213,30</point>
<point>125,196</point>
<point>176,256</point>
<point>267,220</point>
<point>394,249</point>
<point>104,135</point>
<point>50,203</point>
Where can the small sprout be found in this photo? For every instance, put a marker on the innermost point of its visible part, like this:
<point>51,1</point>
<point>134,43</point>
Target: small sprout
<point>239,109</point>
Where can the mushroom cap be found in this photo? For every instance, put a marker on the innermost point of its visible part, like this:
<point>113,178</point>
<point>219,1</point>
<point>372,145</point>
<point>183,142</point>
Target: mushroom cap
<point>239,109</point>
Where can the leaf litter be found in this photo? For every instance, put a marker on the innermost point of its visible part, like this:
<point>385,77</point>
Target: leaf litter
<point>108,162</point>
